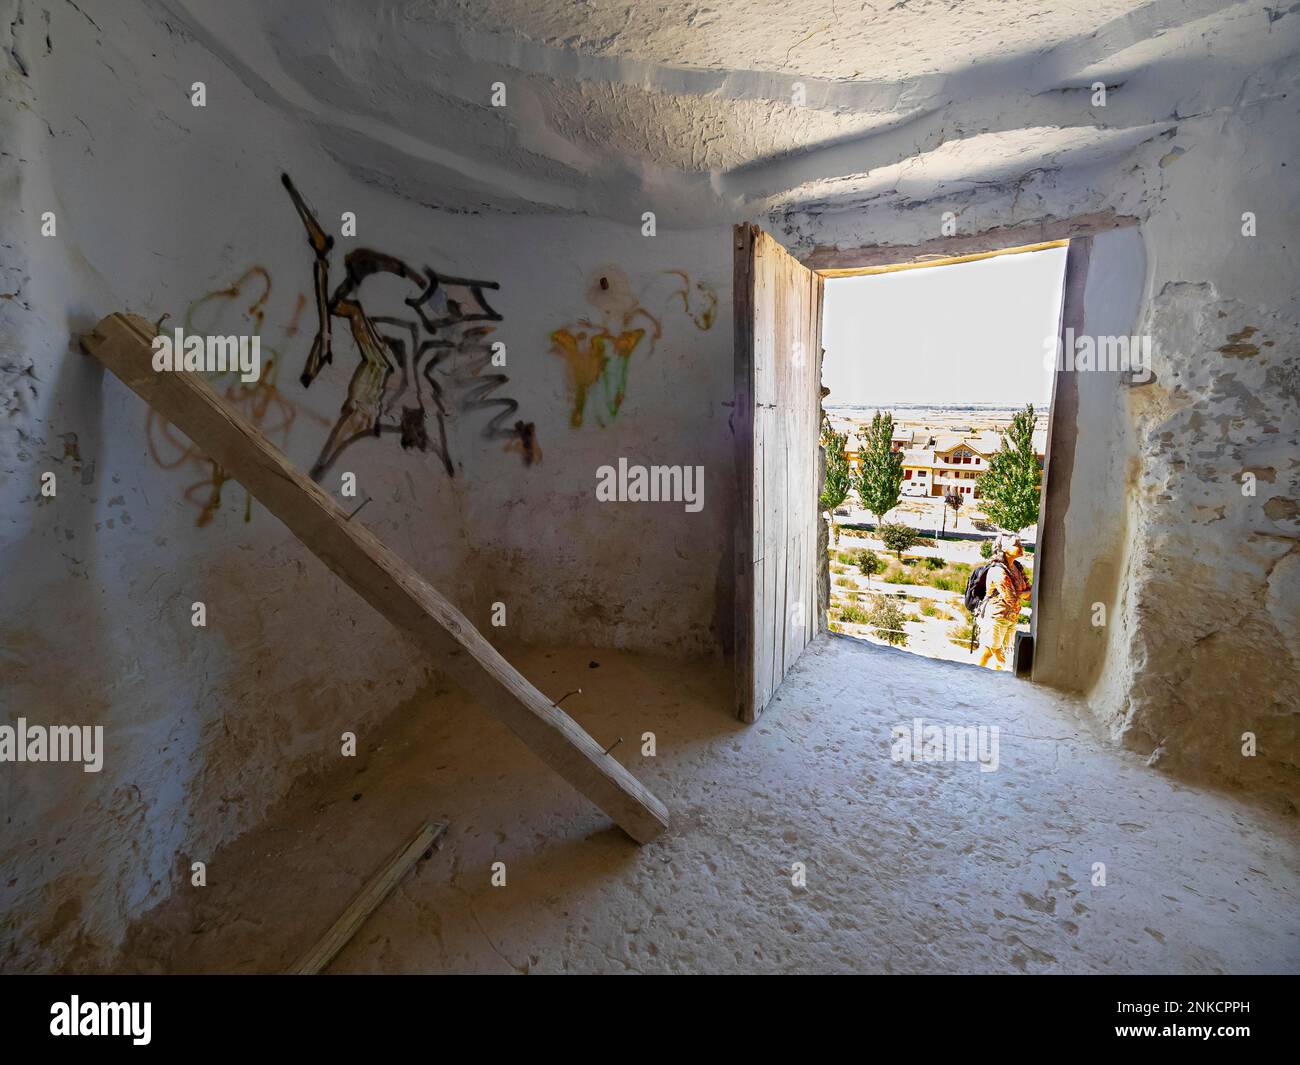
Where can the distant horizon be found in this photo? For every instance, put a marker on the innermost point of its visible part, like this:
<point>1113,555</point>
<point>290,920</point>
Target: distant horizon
<point>969,335</point>
<point>886,405</point>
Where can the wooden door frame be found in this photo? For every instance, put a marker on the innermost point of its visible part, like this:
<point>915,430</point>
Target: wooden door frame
<point>835,262</point>
<point>742,426</point>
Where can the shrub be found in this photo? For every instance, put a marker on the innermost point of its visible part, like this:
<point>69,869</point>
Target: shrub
<point>960,634</point>
<point>898,538</point>
<point>986,549</point>
<point>887,618</point>
<point>934,563</point>
<point>855,614</point>
<point>931,609</point>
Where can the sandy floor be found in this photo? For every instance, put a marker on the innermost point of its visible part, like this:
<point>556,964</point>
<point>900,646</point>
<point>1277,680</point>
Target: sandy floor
<point>910,868</point>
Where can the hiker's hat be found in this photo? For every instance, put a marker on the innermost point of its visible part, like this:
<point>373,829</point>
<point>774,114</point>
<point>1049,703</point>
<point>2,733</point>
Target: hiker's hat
<point>1006,541</point>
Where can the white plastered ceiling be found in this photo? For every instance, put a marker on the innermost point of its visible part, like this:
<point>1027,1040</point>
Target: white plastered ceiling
<point>692,110</point>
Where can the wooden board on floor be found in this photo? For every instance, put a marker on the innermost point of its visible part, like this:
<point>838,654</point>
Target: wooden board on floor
<point>377,888</point>
<point>415,607</point>
<point>776,420</point>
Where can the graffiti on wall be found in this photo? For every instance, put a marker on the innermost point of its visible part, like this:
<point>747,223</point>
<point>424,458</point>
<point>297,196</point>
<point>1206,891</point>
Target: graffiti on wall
<point>238,308</point>
<point>597,349</point>
<point>417,369</point>
<point>699,299</point>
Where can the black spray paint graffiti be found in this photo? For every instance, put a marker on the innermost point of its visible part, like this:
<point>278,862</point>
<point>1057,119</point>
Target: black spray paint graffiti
<point>434,358</point>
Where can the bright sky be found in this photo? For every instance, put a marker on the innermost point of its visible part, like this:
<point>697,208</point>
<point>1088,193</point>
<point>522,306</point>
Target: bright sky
<point>967,333</point>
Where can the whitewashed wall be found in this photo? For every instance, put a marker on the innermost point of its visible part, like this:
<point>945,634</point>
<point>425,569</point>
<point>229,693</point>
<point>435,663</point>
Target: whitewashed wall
<point>158,203</point>
<point>1200,581</point>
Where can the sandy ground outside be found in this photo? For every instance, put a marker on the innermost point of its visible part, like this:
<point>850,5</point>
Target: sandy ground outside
<point>926,514</point>
<point>928,636</point>
<point>929,867</point>
<point>951,550</point>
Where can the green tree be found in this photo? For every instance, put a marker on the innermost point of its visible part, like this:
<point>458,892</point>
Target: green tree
<point>880,477</point>
<point>838,477</point>
<point>953,501</point>
<point>869,562</point>
<point>898,538</point>
<point>1011,487</point>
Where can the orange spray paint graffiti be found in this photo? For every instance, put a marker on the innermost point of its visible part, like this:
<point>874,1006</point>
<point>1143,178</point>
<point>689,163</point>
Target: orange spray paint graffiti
<point>261,402</point>
<point>699,300</point>
<point>597,350</point>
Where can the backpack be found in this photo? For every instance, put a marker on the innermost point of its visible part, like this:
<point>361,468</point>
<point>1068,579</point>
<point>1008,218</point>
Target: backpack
<point>977,587</point>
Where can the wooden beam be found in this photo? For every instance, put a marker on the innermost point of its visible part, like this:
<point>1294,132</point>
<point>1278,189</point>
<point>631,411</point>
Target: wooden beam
<point>941,260</point>
<point>847,262</point>
<point>378,888</point>
<point>123,344</point>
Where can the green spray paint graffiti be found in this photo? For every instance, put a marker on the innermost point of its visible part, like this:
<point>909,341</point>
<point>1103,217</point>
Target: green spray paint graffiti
<point>598,349</point>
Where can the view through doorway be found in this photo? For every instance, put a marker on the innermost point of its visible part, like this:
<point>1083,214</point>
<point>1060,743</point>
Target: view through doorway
<point>935,424</point>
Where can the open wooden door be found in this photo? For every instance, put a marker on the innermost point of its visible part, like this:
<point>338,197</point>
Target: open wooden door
<point>778,304</point>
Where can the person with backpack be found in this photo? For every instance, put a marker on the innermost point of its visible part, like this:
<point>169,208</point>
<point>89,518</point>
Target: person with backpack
<point>994,594</point>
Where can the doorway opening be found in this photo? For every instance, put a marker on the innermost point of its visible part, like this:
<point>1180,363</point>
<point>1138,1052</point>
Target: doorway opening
<point>939,383</point>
